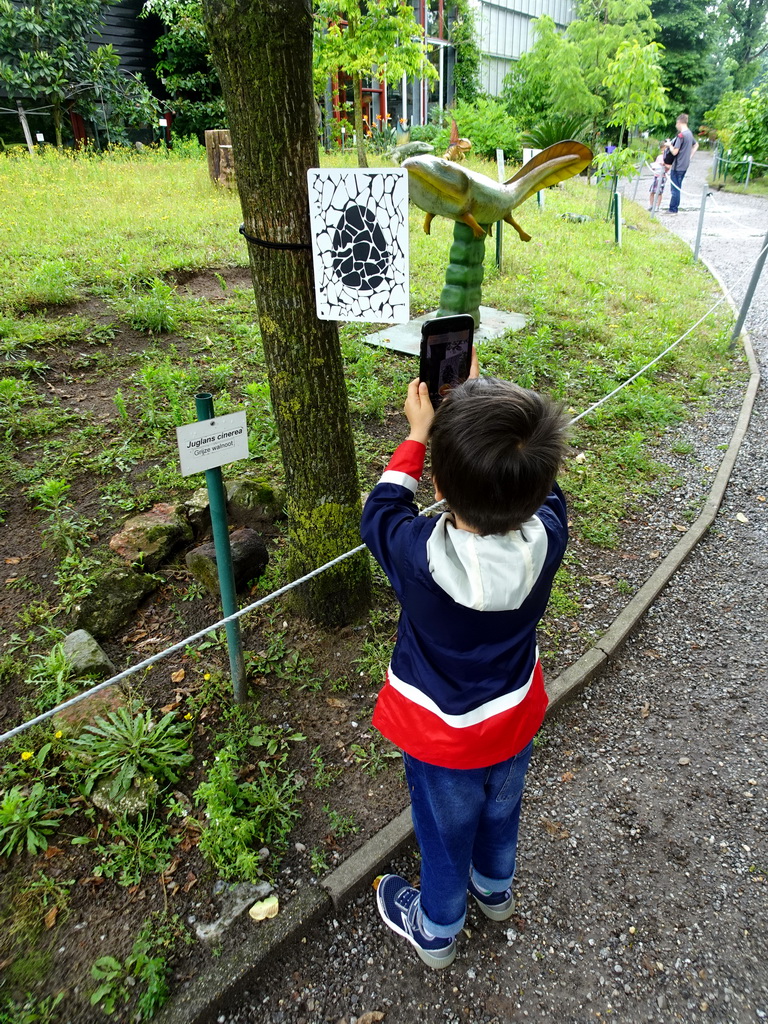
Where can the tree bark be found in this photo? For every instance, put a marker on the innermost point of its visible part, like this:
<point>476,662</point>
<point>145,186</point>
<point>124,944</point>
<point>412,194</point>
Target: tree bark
<point>263,53</point>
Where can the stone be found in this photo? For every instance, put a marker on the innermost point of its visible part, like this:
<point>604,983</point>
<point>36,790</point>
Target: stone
<point>251,500</point>
<point>152,537</point>
<point>197,509</point>
<point>235,900</point>
<point>86,657</point>
<point>142,793</point>
<point>72,720</point>
<point>115,596</point>
<point>249,560</point>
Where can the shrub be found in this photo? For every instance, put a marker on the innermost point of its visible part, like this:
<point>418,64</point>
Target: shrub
<point>26,820</point>
<point>489,127</point>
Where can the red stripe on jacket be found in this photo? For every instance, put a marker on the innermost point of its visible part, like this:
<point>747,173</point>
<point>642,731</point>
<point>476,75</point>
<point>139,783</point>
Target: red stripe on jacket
<point>425,736</point>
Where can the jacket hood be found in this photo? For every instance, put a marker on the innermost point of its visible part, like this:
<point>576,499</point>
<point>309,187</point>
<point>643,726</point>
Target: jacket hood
<point>492,573</point>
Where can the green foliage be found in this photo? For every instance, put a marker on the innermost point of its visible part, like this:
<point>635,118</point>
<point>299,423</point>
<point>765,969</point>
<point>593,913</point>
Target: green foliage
<point>27,819</point>
<point>466,69</point>
<point>135,848</point>
<point>50,678</point>
<point>489,125</point>
<point>687,35</point>
<point>372,759</point>
<point>186,68</point>
<point>146,969</point>
<point>64,530</point>
<point>52,283</point>
<point>750,132</point>
<point>124,747</point>
<point>244,816</point>
<point>32,1010</point>
<point>555,128</point>
<point>634,81</point>
<point>341,824</point>
<point>621,163</point>
<point>156,310</point>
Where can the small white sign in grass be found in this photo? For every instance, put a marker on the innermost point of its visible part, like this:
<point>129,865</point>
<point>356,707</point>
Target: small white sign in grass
<point>212,443</point>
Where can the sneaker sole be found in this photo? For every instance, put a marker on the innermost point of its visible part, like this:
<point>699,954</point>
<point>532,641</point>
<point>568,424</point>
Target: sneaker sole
<point>430,959</point>
<point>495,913</point>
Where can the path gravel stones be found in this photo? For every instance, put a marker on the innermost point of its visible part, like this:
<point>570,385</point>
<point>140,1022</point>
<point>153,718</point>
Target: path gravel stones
<point>643,877</point>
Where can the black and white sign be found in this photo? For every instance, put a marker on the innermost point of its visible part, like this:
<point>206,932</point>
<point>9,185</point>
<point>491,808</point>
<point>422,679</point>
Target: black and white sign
<point>212,443</point>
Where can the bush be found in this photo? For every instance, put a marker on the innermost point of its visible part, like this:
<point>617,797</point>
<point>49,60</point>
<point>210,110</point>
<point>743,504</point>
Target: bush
<point>26,820</point>
<point>489,127</point>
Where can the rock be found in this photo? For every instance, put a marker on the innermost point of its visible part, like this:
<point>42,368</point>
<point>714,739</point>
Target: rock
<point>115,596</point>
<point>152,537</point>
<point>85,656</point>
<point>142,793</point>
<point>249,560</point>
<point>73,719</point>
<point>198,511</point>
<point>249,500</point>
<point>234,902</point>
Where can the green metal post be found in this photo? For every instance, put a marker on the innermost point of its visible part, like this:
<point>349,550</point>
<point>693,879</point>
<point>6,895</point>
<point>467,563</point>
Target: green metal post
<point>218,503</point>
<point>617,212</point>
<point>499,223</point>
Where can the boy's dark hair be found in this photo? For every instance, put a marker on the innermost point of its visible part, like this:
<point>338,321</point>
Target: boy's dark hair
<point>496,450</point>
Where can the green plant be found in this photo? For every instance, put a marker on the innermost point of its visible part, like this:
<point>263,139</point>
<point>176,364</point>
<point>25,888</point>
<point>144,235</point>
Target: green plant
<point>27,819</point>
<point>324,776</point>
<point>156,310</point>
<point>32,1011</point>
<point>123,747</point>
<point>341,824</point>
<point>555,128</point>
<point>49,679</point>
<point>64,530</point>
<point>372,760</point>
<point>135,849</point>
<point>318,861</point>
<point>244,816</point>
<point>145,969</point>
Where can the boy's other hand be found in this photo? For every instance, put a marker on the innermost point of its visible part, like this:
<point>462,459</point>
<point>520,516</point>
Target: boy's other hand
<point>418,410</point>
<point>474,366</point>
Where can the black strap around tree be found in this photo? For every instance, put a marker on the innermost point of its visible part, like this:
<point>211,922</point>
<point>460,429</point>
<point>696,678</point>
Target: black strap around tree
<point>273,245</point>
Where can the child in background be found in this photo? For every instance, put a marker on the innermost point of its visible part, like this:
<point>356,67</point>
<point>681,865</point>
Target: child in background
<point>659,168</point>
<point>464,694</point>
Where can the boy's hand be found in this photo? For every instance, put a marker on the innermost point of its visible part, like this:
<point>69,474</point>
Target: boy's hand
<point>418,410</point>
<point>474,366</point>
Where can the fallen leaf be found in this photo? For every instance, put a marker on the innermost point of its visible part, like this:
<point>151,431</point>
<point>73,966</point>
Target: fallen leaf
<point>370,1017</point>
<point>567,777</point>
<point>170,707</point>
<point>741,517</point>
<point>654,554</point>
<point>6,963</point>
<point>178,677</point>
<point>50,917</point>
<point>679,528</point>
<point>602,579</point>
<point>190,882</point>
<point>761,497</point>
<point>645,710</point>
<point>334,702</point>
<point>264,909</point>
<point>53,851</point>
<point>12,561</point>
<point>555,828</point>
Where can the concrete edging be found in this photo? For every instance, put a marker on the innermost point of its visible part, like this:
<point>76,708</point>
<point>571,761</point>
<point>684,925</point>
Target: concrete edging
<point>218,987</point>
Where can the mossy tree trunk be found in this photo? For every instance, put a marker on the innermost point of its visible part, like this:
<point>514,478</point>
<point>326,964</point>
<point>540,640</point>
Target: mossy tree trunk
<point>263,53</point>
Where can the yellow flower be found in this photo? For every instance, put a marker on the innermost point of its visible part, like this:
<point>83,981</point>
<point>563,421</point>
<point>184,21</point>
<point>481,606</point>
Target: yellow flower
<point>188,716</point>
<point>207,676</point>
<point>27,754</point>
<point>58,734</point>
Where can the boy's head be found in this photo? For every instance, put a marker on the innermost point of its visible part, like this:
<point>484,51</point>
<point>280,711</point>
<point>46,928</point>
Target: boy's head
<point>682,122</point>
<point>496,449</point>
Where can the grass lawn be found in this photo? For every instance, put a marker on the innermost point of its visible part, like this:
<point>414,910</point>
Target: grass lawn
<point>124,290</point>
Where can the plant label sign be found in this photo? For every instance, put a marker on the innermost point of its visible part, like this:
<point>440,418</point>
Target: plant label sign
<point>359,222</point>
<point>212,443</point>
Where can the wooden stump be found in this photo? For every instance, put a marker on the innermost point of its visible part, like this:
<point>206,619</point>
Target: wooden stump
<point>221,164</point>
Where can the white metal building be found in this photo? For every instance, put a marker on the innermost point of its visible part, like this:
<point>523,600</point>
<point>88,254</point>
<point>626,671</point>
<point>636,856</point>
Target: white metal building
<point>505,32</point>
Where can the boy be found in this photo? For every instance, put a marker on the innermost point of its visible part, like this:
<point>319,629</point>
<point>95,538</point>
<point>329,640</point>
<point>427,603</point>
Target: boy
<point>682,148</point>
<point>464,693</point>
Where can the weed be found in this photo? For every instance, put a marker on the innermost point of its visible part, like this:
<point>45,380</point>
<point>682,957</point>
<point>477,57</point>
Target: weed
<point>373,760</point>
<point>156,310</point>
<point>324,775</point>
<point>64,529</point>
<point>318,861</point>
<point>31,1011</point>
<point>75,578</point>
<point>341,824</point>
<point>123,747</point>
<point>244,816</point>
<point>135,849</point>
<point>376,649</point>
<point>52,283</point>
<point>50,679</point>
<point>27,819</point>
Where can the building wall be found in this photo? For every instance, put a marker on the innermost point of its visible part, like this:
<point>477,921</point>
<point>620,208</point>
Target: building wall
<point>505,28</point>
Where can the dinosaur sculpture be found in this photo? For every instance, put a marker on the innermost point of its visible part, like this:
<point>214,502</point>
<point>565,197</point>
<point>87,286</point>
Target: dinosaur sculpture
<point>442,189</point>
<point>475,202</point>
<point>457,148</point>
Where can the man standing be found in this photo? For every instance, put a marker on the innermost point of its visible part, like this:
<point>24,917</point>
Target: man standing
<point>683,147</point>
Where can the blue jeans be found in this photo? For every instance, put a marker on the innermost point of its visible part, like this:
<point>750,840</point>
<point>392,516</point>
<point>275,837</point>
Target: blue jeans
<point>465,819</point>
<point>676,178</point>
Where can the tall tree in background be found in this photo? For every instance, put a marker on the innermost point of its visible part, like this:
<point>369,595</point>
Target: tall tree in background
<point>634,79</point>
<point>263,53</point>
<point>687,37</point>
<point>745,24</point>
<point>380,38</point>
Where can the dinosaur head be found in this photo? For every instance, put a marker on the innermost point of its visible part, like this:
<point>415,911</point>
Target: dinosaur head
<point>436,185</point>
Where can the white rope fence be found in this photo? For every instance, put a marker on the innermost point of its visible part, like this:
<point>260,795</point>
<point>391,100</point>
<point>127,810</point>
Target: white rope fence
<point>187,641</point>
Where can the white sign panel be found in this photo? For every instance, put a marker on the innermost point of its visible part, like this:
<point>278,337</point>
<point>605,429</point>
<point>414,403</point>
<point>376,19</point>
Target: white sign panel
<point>212,443</point>
<point>359,221</point>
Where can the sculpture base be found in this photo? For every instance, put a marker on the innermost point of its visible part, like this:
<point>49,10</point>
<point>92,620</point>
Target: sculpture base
<point>406,338</point>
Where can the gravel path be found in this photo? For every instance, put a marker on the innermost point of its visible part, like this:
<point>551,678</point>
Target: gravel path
<point>643,877</point>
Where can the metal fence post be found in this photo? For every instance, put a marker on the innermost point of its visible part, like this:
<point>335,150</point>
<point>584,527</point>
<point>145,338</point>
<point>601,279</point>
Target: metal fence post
<point>704,194</point>
<point>499,223</point>
<point>749,172</point>
<point>218,504</point>
<point>750,292</point>
<point>617,211</point>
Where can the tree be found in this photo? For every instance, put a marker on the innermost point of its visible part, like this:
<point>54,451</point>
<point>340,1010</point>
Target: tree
<point>466,69</point>
<point>263,54</point>
<point>185,66</point>
<point>44,59</point>
<point>687,36</point>
<point>373,39</point>
<point>634,80</point>
<point>745,23</point>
